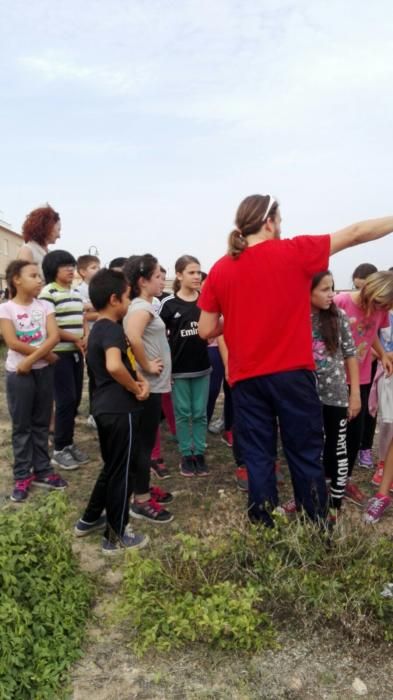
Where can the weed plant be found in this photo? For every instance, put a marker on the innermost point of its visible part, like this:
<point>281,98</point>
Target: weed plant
<point>240,592</point>
<point>44,601</point>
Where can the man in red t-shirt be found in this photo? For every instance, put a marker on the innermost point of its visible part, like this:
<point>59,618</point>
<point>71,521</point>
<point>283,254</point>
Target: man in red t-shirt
<point>262,290</point>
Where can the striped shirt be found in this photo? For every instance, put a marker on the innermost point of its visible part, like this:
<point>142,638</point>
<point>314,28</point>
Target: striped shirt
<point>68,307</point>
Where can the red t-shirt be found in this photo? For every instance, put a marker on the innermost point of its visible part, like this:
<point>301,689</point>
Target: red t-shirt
<point>264,296</point>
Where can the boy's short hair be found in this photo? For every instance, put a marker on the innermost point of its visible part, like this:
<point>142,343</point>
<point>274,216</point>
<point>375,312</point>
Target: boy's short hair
<point>85,260</point>
<point>117,262</point>
<point>105,283</point>
<point>53,260</point>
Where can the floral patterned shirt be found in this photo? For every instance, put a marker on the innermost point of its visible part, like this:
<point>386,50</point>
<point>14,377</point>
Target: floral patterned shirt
<point>330,369</point>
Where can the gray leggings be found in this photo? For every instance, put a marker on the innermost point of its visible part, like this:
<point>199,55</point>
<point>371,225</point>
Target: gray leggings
<point>30,399</point>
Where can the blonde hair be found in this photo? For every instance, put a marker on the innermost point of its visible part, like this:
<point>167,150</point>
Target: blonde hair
<point>377,290</point>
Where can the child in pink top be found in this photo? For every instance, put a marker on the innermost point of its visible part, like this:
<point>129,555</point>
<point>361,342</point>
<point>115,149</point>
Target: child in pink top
<point>30,332</point>
<point>367,310</point>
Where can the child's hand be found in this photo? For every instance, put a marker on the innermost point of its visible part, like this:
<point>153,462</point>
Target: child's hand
<point>354,406</point>
<point>144,390</point>
<point>24,366</point>
<point>81,345</point>
<point>387,363</point>
<point>51,358</point>
<point>156,366</point>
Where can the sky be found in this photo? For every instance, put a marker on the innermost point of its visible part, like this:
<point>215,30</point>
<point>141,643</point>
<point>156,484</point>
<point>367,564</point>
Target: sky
<point>145,123</point>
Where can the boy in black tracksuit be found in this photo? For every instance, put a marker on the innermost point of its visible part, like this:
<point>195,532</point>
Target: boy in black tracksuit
<point>116,406</point>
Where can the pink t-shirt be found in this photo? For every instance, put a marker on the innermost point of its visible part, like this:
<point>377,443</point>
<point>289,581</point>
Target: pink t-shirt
<point>364,330</point>
<point>30,328</point>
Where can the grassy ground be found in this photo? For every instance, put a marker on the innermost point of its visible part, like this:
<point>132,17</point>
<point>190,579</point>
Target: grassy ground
<point>322,665</point>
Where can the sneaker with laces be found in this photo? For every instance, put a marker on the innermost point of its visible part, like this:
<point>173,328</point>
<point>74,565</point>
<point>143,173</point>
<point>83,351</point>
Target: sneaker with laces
<point>64,459</point>
<point>376,508</point>
<point>227,438</point>
<point>129,541</point>
<point>287,508</point>
<point>365,459</point>
<point>21,489</point>
<point>201,468</point>
<point>83,528</point>
<point>91,422</point>
<point>150,510</point>
<point>242,478</point>
<point>354,494</point>
<point>79,455</point>
<point>159,469</point>
<point>159,495</point>
<point>187,466</point>
<point>54,482</point>
<point>377,478</point>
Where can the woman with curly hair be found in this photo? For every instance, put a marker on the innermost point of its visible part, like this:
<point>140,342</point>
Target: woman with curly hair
<point>40,229</point>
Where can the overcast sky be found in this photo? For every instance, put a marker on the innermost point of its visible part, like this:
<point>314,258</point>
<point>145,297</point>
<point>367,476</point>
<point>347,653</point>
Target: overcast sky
<point>145,123</point>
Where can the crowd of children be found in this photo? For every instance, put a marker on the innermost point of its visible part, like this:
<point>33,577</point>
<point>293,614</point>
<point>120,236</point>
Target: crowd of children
<point>144,356</point>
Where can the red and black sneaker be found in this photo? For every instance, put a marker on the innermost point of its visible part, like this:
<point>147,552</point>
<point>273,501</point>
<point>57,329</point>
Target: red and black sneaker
<point>150,510</point>
<point>159,469</point>
<point>159,495</point>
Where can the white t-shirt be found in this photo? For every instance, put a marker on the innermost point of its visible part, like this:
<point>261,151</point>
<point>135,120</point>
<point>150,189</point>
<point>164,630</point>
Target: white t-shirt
<point>30,328</point>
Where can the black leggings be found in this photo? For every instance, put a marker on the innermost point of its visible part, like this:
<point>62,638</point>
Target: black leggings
<point>356,428</point>
<point>335,458</point>
<point>148,426</point>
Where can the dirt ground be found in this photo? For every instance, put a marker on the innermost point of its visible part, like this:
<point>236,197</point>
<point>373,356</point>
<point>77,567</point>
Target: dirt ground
<point>321,667</point>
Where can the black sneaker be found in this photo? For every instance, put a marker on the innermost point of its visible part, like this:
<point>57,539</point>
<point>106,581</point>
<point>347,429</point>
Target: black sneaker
<point>201,468</point>
<point>83,528</point>
<point>187,466</point>
<point>150,510</point>
<point>159,469</point>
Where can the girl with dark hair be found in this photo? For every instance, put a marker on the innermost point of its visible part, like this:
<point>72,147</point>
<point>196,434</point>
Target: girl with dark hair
<point>40,229</point>
<point>29,330</point>
<point>190,366</point>
<point>147,334</point>
<point>333,350</point>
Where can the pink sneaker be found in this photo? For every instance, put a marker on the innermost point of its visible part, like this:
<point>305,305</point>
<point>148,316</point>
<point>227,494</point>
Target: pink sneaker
<point>355,495</point>
<point>376,508</point>
<point>377,478</point>
<point>227,438</point>
<point>287,508</point>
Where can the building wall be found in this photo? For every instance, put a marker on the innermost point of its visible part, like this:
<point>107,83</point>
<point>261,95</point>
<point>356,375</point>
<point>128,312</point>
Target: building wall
<point>10,242</point>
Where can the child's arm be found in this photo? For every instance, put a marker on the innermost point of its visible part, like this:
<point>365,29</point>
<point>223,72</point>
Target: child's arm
<point>10,339</point>
<point>210,324</point>
<point>71,338</point>
<point>118,371</point>
<point>43,350</point>
<point>354,405</point>
<point>136,324</point>
<point>385,359</point>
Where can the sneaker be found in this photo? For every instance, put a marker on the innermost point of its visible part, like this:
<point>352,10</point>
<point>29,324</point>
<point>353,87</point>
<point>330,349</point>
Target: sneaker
<point>159,469</point>
<point>355,495</point>
<point>21,489</point>
<point>376,508</point>
<point>201,468</point>
<point>64,459</point>
<point>287,508</point>
<point>242,478</point>
<point>150,510</point>
<point>54,482</point>
<point>91,422</point>
<point>365,459</point>
<point>130,540</point>
<point>159,495</point>
<point>83,528</point>
<point>79,455</point>
<point>227,438</point>
<point>187,466</point>
<point>377,478</point>
<point>216,426</point>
